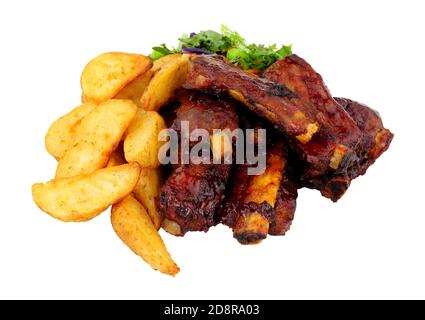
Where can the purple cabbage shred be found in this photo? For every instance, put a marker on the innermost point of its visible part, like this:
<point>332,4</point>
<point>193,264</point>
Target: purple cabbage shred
<point>194,50</point>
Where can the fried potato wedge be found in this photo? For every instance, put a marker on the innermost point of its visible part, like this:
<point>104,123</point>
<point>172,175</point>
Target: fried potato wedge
<point>61,132</point>
<point>158,64</point>
<point>147,191</point>
<point>83,197</point>
<point>135,89</point>
<point>109,73</point>
<point>141,141</point>
<point>134,227</point>
<point>169,75</point>
<point>98,134</point>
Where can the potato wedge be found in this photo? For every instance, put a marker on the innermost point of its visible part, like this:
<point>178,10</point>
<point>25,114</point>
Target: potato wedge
<point>134,90</point>
<point>98,134</point>
<point>109,73</point>
<point>83,197</point>
<point>169,76</point>
<point>134,227</point>
<point>147,191</point>
<point>141,141</point>
<point>61,132</point>
<point>158,64</point>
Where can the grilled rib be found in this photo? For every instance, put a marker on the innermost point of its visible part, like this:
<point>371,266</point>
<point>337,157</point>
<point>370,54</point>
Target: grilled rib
<point>334,152</point>
<point>377,138</point>
<point>286,203</point>
<point>249,205</point>
<point>192,194</point>
<point>273,101</point>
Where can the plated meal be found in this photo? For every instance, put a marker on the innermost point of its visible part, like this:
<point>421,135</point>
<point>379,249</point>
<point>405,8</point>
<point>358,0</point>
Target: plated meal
<point>213,131</point>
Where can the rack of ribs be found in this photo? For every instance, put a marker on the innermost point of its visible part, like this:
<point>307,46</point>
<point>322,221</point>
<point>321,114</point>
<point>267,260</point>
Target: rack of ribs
<point>332,141</point>
<point>290,95</point>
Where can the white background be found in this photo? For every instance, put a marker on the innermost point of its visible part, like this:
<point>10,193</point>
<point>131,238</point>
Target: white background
<point>368,245</point>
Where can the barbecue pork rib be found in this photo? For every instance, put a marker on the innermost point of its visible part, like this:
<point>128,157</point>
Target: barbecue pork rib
<point>332,158</point>
<point>377,138</point>
<point>255,211</point>
<point>375,141</point>
<point>203,111</point>
<point>193,193</point>
<point>286,203</point>
<point>257,205</point>
<point>270,100</point>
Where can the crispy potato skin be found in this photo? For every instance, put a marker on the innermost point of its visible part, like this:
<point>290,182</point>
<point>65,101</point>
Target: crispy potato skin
<point>60,134</point>
<point>107,74</point>
<point>169,74</point>
<point>147,192</point>
<point>134,227</point>
<point>83,197</point>
<point>141,141</point>
<point>135,89</point>
<point>147,188</point>
<point>160,63</point>
<point>96,137</point>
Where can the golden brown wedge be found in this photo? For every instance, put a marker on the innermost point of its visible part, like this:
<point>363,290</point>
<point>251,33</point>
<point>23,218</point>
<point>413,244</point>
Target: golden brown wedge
<point>135,89</point>
<point>169,74</point>
<point>83,197</point>
<point>147,191</point>
<point>141,141</point>
<point>134,227</point>
<point>61,132</point>
<point>107,74</point>
<point>96,137</point>
<point>158,64</point>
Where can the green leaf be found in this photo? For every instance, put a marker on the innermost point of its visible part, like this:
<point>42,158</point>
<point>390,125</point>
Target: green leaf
<point>230,44</point>
<point>285,51</point>
<point>234,37</point>
<point>239,56</point>
<point>208,40</point>
<point>160,51</point>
